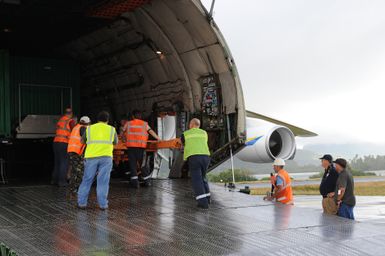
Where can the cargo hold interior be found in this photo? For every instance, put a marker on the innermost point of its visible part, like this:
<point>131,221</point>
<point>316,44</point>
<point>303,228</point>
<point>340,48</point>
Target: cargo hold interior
<point>164,57</point>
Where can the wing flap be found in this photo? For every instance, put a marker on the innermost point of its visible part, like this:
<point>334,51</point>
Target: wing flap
<point>300,132</point>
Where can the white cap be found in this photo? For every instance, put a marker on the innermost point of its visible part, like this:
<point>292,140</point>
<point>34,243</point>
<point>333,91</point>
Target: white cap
<point>279,162</point>
<point>85,119</point>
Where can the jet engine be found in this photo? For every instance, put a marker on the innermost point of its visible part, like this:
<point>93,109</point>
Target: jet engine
<point>267,141</point>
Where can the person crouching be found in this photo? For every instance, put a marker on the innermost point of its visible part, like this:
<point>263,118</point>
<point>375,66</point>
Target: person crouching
<point>283,192</point>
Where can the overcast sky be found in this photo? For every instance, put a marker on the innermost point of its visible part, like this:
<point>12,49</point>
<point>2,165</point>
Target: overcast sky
<point>316,64</point>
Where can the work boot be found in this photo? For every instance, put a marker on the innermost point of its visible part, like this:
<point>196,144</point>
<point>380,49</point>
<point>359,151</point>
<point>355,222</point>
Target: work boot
<point>203,206</point>
<point>134,184</point>
<point>203,203</point>
<point>71,195</point>
<point>147,183</point>
<point>81,207</point>
<point>63,184</point>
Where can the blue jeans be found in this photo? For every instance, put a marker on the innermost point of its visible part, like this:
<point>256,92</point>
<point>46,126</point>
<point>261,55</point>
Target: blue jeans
<point>346,211</point>
<point>101,167</point>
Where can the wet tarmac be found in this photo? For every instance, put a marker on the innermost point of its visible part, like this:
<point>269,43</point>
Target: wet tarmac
<point>163,220</point>
<point>368,208</point>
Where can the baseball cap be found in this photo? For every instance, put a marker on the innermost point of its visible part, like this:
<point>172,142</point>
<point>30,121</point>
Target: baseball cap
<point>327,157</point>
<point>342,162</point>
<point>85,119</point>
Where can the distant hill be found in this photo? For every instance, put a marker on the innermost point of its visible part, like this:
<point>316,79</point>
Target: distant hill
<point>347,150</point>
<point>307,159</point>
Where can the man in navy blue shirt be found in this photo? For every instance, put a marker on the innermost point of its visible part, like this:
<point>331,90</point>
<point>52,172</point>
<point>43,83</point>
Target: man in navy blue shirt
<point>328,184</point>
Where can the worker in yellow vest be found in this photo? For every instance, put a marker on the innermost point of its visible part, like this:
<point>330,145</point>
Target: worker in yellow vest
<point>136,133</point>
<point>196,152</point>
<point>100,139</point>
<point>75,153</point>
<point>283,192</point>
<point>60,144</point>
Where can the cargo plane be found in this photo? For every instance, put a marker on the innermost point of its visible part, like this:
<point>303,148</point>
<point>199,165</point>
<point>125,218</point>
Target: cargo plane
<point>169,59</point>
<point>158,56</point>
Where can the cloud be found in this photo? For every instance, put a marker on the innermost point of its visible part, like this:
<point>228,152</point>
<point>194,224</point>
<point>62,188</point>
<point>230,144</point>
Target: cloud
<point>316,64</point>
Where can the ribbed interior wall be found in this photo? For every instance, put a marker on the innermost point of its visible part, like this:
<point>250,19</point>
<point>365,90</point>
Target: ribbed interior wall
<point>120,69</point>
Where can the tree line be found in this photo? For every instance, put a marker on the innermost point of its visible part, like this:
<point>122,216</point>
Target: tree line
<point>368,163</point>
<point>357,166</point>
<point>227,176</point>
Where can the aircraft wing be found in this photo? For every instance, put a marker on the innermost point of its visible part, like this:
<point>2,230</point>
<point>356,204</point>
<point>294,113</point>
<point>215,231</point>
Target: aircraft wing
<point>295,129</point>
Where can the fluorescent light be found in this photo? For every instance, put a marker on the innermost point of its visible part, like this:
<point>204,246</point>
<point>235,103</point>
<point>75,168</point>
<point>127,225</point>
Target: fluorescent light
<point>158,52</point>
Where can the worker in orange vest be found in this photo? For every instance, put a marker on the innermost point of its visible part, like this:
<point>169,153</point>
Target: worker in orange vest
<point>283,191</point>
<point>123,123</point>
<point>75,153</point>
<point>60,143</point>
<point>136,133</point>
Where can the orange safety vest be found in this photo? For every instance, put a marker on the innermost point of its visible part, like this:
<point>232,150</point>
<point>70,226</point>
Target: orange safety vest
<point>285,194</point>
<point>137,134</point>
<point>75,142</point>
<point>63,129</point>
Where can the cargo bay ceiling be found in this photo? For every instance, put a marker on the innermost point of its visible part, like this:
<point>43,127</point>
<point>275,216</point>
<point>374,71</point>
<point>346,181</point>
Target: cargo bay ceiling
<point>132,53</point>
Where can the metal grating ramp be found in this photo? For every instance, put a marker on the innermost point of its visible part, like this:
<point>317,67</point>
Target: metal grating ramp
<point>163,220</point>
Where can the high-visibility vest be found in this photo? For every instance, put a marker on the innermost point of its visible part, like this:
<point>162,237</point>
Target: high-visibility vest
<point>75,142</point>
<point>136,134</point>
<point>195,143</point>
<point>100,138</point>
<point>63,129</point>
<point>285,194</point>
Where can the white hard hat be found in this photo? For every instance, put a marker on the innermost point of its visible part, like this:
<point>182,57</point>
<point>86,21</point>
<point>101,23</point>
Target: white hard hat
<point>85,119</point>
<point>279,162</point>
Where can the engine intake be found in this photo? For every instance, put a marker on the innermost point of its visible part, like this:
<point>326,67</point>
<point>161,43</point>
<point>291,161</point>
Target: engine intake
<point>266,142</point>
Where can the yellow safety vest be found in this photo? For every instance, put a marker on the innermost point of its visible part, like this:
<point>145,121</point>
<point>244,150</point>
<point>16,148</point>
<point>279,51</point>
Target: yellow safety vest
<point>100,138</point>
<point>195,143</point>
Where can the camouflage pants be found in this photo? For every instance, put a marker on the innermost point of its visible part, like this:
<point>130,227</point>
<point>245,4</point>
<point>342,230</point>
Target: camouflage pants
<point>77,166</point>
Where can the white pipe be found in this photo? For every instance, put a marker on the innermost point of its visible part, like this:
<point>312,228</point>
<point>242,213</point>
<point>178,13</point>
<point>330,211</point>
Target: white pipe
<point>231,148</point>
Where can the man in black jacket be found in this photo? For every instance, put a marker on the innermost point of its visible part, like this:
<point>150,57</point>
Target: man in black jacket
<point>328,184</point>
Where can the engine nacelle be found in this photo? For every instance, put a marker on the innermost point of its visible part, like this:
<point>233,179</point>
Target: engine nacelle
<point>267,141</point>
